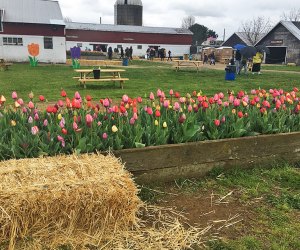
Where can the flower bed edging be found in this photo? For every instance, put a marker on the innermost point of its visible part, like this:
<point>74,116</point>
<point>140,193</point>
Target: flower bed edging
<point>188,160</point>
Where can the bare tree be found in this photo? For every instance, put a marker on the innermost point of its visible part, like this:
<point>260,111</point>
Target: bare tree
<point>187,22</point>
<point>255,28</point>
<point>67,19</point>
<point>293,15</point>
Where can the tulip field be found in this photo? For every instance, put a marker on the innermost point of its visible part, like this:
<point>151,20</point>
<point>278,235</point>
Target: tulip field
<point>81,124</point>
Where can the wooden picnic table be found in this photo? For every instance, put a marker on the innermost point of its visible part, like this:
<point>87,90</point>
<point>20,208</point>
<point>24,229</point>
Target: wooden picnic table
<point>187,63</point>
<point>4,65</point>
<point>106,75</point>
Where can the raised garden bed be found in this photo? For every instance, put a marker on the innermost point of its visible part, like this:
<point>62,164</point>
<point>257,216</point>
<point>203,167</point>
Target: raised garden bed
<point>189,160</point>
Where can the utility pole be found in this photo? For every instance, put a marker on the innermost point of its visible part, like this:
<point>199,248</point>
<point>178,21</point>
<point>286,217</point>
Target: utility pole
<point>224,35</point>
<point>100,20</point>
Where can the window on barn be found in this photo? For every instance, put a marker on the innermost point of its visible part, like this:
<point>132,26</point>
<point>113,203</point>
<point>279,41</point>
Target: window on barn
<point>79,44</point>
<point>48,42</point>
<point>140,47</point>
<point>1,19</point>
<point>18,41</point>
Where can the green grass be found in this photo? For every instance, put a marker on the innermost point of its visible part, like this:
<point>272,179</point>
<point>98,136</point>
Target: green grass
<point>281,68</point>
<point>144,77</point>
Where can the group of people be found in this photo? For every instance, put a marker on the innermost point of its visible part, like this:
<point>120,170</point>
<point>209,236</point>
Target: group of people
<point>161,53</point>
<point>127,53</point>
<point>211,58</point>
<point>244,64</point>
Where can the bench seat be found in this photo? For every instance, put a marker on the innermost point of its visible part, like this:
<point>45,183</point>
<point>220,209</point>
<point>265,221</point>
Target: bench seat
<point>121,80</point>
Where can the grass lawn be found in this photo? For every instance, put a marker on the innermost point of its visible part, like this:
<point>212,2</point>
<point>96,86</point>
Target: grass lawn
<point>281,68</point>
<point>264,202</point>
<point>144,77</point>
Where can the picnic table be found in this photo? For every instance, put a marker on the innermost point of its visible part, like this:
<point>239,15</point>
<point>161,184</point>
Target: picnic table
<point>106,75</point>
<point>187,63</point>
<point>4,65</point>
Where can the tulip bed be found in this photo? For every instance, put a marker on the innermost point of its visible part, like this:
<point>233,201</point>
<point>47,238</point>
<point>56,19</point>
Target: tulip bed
<point>76,124</point>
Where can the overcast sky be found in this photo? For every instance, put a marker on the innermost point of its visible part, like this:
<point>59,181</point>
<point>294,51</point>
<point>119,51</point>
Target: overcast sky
<point>214,14</point>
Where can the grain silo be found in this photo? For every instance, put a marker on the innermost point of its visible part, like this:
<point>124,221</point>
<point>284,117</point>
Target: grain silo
<point>129,12</point>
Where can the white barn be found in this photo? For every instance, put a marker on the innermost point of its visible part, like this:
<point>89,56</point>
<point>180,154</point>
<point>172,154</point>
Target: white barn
<point>23,22</point>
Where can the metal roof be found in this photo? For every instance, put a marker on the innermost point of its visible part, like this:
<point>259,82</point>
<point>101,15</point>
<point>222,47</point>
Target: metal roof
<point>129,2</point>
<point>289,25</point>
<point>126,28</point>
<point>32,11</point>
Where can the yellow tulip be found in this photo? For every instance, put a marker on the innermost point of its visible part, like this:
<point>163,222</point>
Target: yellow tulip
<point>157,107</point>
<point>2,99</point>
<point>258,105</point>
<point>156,122</point>
<point>233,111</point>
<point>114,129</point>
<point>59,117</point>
<point>165,125</point>
<point>13,123</point>
<point>17,105</point>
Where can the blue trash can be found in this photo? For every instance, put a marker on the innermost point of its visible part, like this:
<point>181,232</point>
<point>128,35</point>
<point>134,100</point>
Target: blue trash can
<point>125,62</point>
<point>230,73</point>
<point>180,57</point>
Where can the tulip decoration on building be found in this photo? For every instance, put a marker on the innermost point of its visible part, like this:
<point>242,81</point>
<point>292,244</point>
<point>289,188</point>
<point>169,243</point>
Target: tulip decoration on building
<point>75,54</point>
<point>34,51</point>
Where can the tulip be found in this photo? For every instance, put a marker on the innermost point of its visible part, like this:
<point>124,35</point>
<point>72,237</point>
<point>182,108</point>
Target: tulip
<point>157,113</point>
<point>88,98</point>
<point>14,95</point>
<point>36,116</point>
<point>165,125</point>
<point>151,96</point>
<point>64,131</point>
<point>20,101</point>
<point>60,103</point>
<point>77,95</point>
<point>106,103</point>
<point>42,98</point>
<point>104,136</point>
<point>156,122</point>
<point>171,92</point>
<point>149,110</point>
<point>30,105</point>
<point>13,123</point>
<point>159,93</point>
<point>45,123</point>
<point>176,106</point>
<point>125,98</point>
<point>135,116</point>
<point>114,129</point>
<point>236,102</point>
<point>132,121</point>
<point>122,109</point>
<point>62,140</point>
<point>62,123</point>
<point>75,126</point>
<point>99,123</point>
<point>166,103</point>
<point>223,119</point>
<point>59,117</point>
<point>177,94</point>
<point>31,95</point>
<point>217,122</point>
<point>240,114</point>
<point>221,95</point>
<point>139,99</point>
<point>190,108</point>
<point>88,119</point>
<point>30,120</point>
<point>182,118</point>
<point>34,130</point>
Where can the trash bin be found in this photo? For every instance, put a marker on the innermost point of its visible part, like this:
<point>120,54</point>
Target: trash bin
<point>125,62</point>
<point>96,73</point>
<point>230,73</point>
<point>186,56</point>
<point>180,57</point>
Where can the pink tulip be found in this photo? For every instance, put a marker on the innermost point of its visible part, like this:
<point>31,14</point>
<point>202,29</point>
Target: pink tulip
<point>62,140</point>
<point>236,102</point>
<point>158,93</point>
<point>106,102</point>
<point>132,121</point>
<point>135,116</point>
<point>30,120</point>
<point>171,92</point>
<point>75,126</point>
<point>14,95</point>
<point>149,110</point>
<point>104,136</point>
<point>190,108</point>
<point>34,130</point>
<point>30,105</point>
<point>223,119</point>
<point>221,95</point>
<point>62,123</point>
<point>139,99</point>
<point>176,106</point>
<point>166,103</point>
<point>88,119</point>
<point>216,97</point>
<point>77,95</point>
<point>226,104</point>
<point>99,123</point>
<point>45,123</point>
<point>231,98</point>
<point>151,96</point>
<point>60,103</point>
<point>20,101</point>
<point>220,102</point>
<point>125,98</point>
<point>24,110</point>
<point>36,116</point>
<point>253,91</point>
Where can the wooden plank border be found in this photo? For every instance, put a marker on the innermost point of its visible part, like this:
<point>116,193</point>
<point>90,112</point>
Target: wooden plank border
<point>188,160</point>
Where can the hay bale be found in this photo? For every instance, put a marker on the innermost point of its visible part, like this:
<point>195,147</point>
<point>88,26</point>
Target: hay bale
<point>64,200</point>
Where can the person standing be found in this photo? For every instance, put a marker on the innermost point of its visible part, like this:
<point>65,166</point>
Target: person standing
<point>122,53</point>
<point>212,59</point>
<point>110,52</point>
<point>238,58</point>
<point>205,59</point>
<point>169,55</point>
<point>130,52</point>
<point>257,60</point>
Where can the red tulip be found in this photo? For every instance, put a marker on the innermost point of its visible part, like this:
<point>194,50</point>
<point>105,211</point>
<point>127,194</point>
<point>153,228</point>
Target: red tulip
<point>157,113</point>
<point>240,114</point>
<point>42,98</point>
<point>217,123</point>
<point>63,93</point>
<point>88,98</point>
<point>64,131</point>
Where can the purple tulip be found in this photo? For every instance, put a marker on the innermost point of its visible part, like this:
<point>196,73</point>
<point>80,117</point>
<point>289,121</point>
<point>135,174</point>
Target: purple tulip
<point>75,52</point>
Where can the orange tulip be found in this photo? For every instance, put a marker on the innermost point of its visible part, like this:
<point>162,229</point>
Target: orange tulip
<point>34,49</point>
